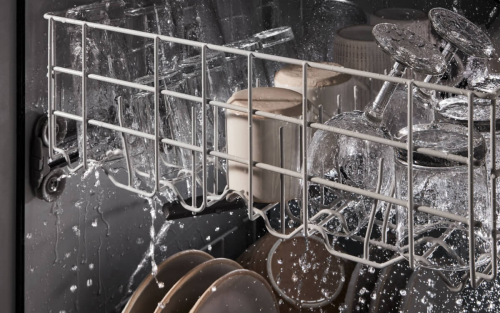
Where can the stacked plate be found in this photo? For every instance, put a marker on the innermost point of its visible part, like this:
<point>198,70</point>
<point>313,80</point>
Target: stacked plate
<point>304,275</point>
<point>193,281</point>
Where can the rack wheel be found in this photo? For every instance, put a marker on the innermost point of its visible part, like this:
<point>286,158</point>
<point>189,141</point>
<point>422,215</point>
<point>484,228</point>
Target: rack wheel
<point>52,185</point>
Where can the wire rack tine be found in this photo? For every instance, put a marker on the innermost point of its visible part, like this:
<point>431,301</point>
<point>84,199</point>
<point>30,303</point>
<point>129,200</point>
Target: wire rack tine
<point>366,247</point>
<point>250,138</point>
<point>470,167</point>
<point>305,177</point>
<point>84,95</point>
<point>50,82</point>
<point>204,120</point>
<point>410,177</point>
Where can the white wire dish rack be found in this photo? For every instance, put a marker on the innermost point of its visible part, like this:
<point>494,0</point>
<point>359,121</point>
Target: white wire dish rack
<point>309,225</point>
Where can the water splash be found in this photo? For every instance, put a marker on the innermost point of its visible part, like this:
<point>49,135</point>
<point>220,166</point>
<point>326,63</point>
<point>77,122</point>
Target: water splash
<point>160,235</point>
<point>108,226</point>
<point>57,211</point>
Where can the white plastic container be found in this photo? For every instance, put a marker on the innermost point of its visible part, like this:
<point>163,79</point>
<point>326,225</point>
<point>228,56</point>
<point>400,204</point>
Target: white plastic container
<point>266,184</point>
<point>323,86</point>
<point>355,47</point>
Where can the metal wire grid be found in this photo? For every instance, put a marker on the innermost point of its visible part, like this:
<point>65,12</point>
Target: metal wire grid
<point>310,226</point>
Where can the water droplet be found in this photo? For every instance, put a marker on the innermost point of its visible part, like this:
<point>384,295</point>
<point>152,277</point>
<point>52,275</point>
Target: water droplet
<point>371,269</point>
<point>89,282</point>
<point>91,266</point>
<point>209,247</point>
<point>280,261</point>
<point>73,288</point>
<point>163,248</point>
<point>373,296</point>
<point>280,301</point>
<point>74,268</point>
<point>76,230</point>
<point>362,291</point>
<point>161,305</point>
<point>208,238</point>
<point>327,293</point>
<point>214,289</point>
<point>29,236</point>
<point>139,241</point>
<point>294,278</point>
<point>217,229</point>
<point>161,285</point>
<point>94,223</point>
<point>403,292</point>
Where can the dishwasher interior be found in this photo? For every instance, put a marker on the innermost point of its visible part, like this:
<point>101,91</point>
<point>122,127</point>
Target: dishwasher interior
<point>253,155</point>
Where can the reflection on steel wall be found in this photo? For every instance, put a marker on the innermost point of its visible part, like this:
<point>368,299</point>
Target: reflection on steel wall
<point>8,155</point>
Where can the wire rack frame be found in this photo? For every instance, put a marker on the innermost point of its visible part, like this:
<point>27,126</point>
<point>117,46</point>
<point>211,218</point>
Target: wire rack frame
<point>311,226</point>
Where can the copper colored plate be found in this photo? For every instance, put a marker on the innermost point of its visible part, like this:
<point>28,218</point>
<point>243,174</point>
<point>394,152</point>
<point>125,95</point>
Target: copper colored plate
<point>184,294</point>
<point>309,280</point>
<point>427,291</point>
<point>387,296</point>
<point>239,291</point>
<point>363,281</point>
<point>147,295</point>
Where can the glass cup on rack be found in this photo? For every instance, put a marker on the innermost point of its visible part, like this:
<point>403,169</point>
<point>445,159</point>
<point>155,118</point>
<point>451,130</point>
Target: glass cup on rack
<point>237,19</point>
<point>155,19</point>
<point>195,20</point>
<point>277,41</point>
<point>237,66</point>
<point>457,34</point>
<point>217,90</point>
<point>104,57</point>
<point>353,161</point>
<point>441,184</point>
<point>456,110</point>
<point>174,112</point>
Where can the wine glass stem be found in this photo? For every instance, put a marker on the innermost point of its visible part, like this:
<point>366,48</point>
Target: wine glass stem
<point>375,112</point>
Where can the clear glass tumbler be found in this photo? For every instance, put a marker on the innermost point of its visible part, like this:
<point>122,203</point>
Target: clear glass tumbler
<point>104,56</point>
<point>237,66</point>
<point>441,184</point>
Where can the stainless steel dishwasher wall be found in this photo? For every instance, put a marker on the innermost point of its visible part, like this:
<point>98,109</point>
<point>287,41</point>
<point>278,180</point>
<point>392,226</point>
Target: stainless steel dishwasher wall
<point>8,67</point>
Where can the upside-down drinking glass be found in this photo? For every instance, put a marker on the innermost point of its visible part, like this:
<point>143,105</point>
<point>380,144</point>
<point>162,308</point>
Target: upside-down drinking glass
<point>441,184</point>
